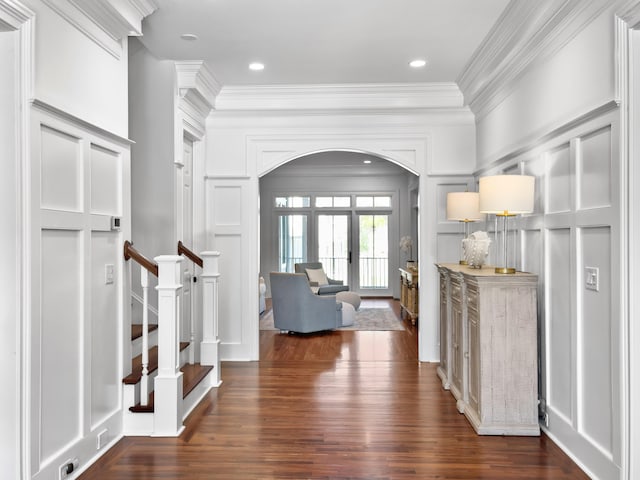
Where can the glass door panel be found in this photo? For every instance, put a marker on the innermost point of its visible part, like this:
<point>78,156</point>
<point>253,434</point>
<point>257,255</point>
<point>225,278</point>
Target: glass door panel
<point>333,246</point>
<point>373,255</point>
<point>292,241</point>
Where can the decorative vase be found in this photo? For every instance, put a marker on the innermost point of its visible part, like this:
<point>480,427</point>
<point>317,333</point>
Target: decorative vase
<point>475,249</point>
<point>412,265</point>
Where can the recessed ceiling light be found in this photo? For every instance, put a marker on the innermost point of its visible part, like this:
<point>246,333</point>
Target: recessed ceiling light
<point>189,37</point>
<point>256,66</point>
<point>366,161</point>
<point>418,63</point>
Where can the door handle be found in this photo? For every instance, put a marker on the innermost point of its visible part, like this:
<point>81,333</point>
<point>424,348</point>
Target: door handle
<point>349,257</point>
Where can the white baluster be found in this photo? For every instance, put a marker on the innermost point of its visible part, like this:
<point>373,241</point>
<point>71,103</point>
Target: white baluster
<point>144,381</point>
<point>210,346</point>
<point>168,383</point>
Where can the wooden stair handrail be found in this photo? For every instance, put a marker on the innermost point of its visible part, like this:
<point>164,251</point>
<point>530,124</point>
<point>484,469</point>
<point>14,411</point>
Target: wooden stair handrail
<point>131,253</point>
<point>182,250</point>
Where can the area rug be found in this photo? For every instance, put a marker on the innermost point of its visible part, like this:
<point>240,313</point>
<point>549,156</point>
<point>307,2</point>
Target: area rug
<point>367,319</point>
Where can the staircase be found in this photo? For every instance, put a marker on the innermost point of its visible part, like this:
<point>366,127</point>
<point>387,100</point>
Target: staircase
<point>163,386</point>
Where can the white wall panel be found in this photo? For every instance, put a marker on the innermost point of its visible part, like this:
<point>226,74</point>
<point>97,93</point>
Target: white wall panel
<point>594,170</point>
<point>77,75</point>
<point>559,320</point>
<point>231,289</point>
<point>227,205</point>
<point>449,247</point>
<point>61,340</point>
<point>559,180</point>
<point>596,419</point>
<point>105,372</point>
<point>531,251</point>
<point>61,171</point>
<point>106,188</point>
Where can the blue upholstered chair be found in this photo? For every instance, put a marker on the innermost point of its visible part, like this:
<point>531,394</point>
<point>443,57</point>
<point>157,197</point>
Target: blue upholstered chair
<point>297,309</point>
<point>331,288</point>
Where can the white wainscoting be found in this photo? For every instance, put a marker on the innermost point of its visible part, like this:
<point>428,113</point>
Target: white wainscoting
<point>576,225</point>
<point>80,179</point>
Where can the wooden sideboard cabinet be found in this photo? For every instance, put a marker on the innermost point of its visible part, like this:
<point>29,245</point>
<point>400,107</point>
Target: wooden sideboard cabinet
<point>489,347</point>
<point>409,297</point>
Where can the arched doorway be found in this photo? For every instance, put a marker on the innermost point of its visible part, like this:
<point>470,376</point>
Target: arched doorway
<point>345,209</point>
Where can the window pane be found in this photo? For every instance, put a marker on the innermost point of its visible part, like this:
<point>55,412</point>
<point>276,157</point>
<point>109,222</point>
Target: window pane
<point>341,201</point>
<point>382,202</point>
<point>323,202</point>
<point>364,201</point>
<point>293,202</point>
<point>333,245</point>
<point>292,241</point>
<point>374,251</point>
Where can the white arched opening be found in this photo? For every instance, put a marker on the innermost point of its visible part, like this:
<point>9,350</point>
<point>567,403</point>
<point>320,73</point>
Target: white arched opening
<point>233,221</point>
<point>349,175</point>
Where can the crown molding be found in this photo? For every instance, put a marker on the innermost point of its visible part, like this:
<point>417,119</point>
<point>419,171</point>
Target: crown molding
<point>13,15</point>
<point>105,22</point>
<point>630,13</point>
<point>197,85</point>
<point>526,33</point>
<point>340,97</point>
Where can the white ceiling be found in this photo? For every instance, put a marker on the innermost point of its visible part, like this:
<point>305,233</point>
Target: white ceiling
<point>323,41</point>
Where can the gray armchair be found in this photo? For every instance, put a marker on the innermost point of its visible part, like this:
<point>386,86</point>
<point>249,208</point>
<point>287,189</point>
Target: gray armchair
<point>297,309</point>
<point>332,288</point>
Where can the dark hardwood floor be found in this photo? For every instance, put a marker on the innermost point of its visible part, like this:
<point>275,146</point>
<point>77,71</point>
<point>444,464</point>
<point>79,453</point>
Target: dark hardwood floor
<point>333,405</point>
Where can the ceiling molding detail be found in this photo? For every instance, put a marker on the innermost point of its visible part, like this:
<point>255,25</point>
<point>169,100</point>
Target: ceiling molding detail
<point>106,23</point>
<point>340,97</point>
<point>118,18</point>
<point>197,85</point>
<point>13,15</point>
<point>526,33</point>
<point>630,13</point>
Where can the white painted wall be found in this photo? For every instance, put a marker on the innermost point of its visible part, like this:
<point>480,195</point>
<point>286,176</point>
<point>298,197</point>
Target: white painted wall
<point>545,127</point>
<point>76,74</point>
<point>10,248</point>
<point>577,79</point>
<point>242,146</point>
<point>151,119</point>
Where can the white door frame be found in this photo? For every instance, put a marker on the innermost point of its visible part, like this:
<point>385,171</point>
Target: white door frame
<point>15,17</point>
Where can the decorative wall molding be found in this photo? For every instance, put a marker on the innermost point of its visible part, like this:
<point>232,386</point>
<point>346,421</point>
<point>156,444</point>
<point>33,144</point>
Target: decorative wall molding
<point>13,15</point>
<point>72,119</point>
<point>106,23</point>
<point>527,33</point>
<point>340,97</point>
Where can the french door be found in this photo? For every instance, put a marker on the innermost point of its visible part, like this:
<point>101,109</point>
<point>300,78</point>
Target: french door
<point>359,258</point>
<point>351,242</point>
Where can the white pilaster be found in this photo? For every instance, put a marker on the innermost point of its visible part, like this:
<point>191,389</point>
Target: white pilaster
<point>168,383</point>
<point>209,348</point>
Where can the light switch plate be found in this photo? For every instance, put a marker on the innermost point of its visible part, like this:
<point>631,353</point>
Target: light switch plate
<point>108,273</point>
<point>592,278</point>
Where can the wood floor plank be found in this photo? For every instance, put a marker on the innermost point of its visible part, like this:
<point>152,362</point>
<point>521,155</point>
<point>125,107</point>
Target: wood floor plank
<point>337,405</point>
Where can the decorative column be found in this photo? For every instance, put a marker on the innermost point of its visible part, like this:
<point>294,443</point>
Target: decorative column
<point>210,346</point>
<point>168,383</point>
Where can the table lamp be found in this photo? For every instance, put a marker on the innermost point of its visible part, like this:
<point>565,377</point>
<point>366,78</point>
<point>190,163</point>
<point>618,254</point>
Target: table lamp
<point>464,207</point>
<point>506,196</point>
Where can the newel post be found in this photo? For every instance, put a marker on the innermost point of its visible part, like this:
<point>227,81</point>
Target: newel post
<point>210,346</point>
<point>168,383</point>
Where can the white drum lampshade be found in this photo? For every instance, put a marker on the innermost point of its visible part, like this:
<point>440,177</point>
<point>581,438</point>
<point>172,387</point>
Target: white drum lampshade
<point>464,206</point>
<point>507,194</point>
